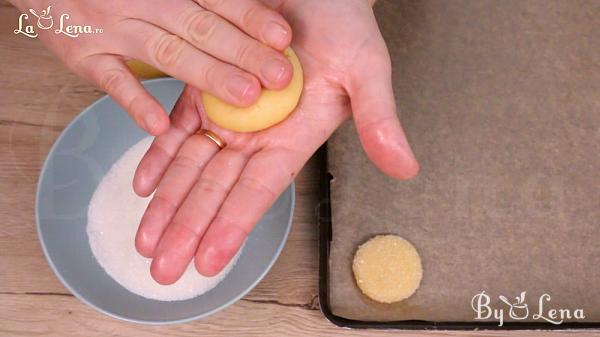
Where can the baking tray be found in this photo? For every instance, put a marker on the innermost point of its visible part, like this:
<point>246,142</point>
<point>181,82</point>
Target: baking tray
<point>499,101</point>
<point>324,222</point>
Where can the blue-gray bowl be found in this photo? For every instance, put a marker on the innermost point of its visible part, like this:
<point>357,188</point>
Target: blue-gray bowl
<point>78,160</point>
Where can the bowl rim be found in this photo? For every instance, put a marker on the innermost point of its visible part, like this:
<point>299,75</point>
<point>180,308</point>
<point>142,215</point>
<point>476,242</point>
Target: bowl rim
<point>65,283</point>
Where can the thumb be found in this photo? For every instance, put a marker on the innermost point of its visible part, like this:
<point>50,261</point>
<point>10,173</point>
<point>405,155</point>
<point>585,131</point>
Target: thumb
<point>375,118</point>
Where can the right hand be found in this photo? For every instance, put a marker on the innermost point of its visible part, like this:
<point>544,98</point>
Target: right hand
<point>207,200</point>
<point>226,47</point>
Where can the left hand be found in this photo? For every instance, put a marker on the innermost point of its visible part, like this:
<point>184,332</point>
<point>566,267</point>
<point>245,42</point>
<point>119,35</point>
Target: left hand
<point>207,201</point>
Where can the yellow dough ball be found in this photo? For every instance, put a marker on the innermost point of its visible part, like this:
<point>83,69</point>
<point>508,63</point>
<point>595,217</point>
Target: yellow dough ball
<point>143,70</point>
<point>387,268</point>
<point>272,106</point>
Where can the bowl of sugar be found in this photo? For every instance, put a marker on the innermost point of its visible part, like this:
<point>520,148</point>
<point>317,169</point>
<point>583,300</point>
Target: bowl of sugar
<point>87,214</point>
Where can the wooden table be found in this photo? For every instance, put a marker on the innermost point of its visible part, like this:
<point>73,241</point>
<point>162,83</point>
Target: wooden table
<point>38,97</point>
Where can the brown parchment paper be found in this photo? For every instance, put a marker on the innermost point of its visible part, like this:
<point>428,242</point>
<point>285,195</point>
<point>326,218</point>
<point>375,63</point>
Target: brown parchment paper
<point>501,103</point>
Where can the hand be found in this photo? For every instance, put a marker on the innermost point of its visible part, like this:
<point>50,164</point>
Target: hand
<point>224,47</point>
<point>207,201</point>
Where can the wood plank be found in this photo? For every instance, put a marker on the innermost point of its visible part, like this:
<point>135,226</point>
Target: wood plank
<point>39,97</point>
<point>51,315</point>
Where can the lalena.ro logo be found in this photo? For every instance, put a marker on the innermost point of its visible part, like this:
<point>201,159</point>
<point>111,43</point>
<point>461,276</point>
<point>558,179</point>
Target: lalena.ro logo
<point>45,21</point>
<point>519,309</point>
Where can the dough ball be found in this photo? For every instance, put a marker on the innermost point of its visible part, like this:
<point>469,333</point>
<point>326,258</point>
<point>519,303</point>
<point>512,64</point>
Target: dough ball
<point>143,71</point>
<point>272,106</point>
<point>387,268</point>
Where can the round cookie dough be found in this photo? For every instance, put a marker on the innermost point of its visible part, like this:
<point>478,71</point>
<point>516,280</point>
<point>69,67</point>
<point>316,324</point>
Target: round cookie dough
<point>143,71</point>
<point>272,106</point>
<point>387,268</point>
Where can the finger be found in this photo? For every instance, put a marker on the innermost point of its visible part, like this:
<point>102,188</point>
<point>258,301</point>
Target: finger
<point>111,74</point>
<point>172,190</point>
<point>184,122</point>
<point>176,57</point>
<point>374,114</point>
<point>261,182</point>
<point>216,36</point>
<point>255,18</point>
<point>180,240</point>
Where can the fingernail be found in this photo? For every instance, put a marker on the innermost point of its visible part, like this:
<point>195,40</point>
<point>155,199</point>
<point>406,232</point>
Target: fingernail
<point>150,122</point>
<point>158,270</point>
<point>210,261</point>
<point>239,86</point>
<point>209,256</point>
<point>275,34</point>
<point>273,70</point>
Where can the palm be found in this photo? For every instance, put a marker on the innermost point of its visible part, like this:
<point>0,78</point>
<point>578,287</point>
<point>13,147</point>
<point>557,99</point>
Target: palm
<point>235,186</point>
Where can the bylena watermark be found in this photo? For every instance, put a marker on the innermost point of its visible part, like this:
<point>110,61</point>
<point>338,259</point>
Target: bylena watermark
<point>45,21</point>
<point>519,309</point>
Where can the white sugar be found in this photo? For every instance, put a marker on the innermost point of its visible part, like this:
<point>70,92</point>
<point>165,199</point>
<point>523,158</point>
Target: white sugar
<point>113,218</point>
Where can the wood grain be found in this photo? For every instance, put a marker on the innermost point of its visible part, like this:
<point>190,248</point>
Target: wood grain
<point>38,97</point>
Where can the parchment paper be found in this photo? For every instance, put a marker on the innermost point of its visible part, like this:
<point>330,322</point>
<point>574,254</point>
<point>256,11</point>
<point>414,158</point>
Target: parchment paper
<point>501,103</point>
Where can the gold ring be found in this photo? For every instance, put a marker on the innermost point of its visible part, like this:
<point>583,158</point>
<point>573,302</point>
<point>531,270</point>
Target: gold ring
<point>212,136</point>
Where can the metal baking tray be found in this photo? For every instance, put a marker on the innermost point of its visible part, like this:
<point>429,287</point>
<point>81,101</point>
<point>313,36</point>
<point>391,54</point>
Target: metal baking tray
<point>324,221</point>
